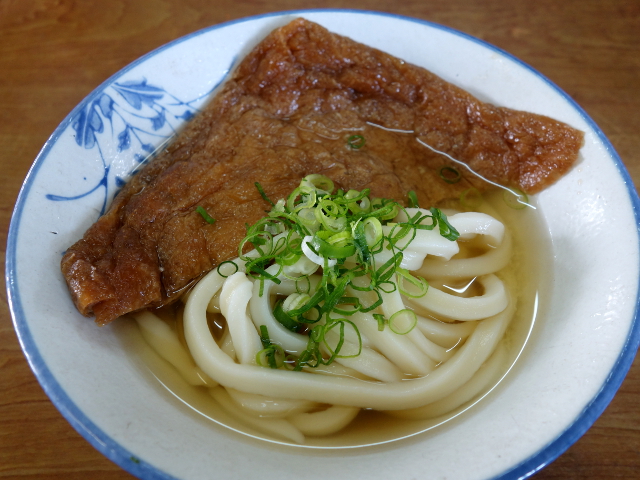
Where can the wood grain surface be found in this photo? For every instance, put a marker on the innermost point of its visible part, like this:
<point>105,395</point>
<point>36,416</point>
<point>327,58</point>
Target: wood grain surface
<point>55,52</point>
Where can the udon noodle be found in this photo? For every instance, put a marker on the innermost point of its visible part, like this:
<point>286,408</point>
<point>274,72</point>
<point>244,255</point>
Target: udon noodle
<point>444,349</point>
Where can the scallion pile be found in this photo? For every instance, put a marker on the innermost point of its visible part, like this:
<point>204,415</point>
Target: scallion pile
<point>340,233</point>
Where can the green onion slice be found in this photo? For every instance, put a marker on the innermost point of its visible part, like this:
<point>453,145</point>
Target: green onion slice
<point>471,198</point>
<point>341,324</point>
<point>419,284</point>
<point>264,195</point>
<point>449,174</point>
<point>284,319</point>
<point>271,355</point>
<point>228,262</point>
<point>413,199</point>
<point>403,321</point>
<point>382,321</point>
<point>356,142</point>
<point>320,182</point>
<point>515,198</point>
<point>338,234</point>
<point>203,213</point>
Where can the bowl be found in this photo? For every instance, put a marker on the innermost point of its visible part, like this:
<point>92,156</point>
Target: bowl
<point>572,364</point>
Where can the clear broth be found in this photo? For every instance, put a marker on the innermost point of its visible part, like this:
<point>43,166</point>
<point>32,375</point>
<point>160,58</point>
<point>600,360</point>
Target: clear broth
<point>530,257</point>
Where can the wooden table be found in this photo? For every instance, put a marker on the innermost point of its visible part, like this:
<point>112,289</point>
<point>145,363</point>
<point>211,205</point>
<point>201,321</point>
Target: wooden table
<point>53,53</point>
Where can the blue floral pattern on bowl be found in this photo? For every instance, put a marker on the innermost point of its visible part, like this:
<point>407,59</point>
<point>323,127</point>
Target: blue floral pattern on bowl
<point>138,117</point>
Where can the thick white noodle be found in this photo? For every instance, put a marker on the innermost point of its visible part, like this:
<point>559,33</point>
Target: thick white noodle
<point>430,242</point>
<point>234,298</point>
<point>226,344</point>
<point>397,348</point>
<point>488,374</point>
<point>325,422</point>
<point>493,301</point>
<point>369,362</point>
<point>468,224</point>
<point>447,335</point>
<point>277,427</point>
<point>214,304</point>
<point>393,372</point>
<point>166,344</point>
<point>391,304</point>
<point>425,242</point>
<point>340,391</point>
<point>336,370</point>
<point>262,314</point>
<point>260,405</point>
<point>493,260</point>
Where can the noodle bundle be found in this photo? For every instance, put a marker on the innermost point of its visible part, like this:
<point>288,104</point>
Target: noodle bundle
<point>419,353</point>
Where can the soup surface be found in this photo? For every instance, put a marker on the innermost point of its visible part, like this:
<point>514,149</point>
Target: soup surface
<point>525,278</point>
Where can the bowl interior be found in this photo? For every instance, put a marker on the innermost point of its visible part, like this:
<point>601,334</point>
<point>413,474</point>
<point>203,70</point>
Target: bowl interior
<point>572,365</point>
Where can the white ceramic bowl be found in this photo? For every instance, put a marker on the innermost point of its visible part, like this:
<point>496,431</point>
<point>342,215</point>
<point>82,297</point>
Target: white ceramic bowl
<point>570,370</point>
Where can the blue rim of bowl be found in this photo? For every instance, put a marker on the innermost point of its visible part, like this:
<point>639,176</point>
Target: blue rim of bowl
<point>138,467</point>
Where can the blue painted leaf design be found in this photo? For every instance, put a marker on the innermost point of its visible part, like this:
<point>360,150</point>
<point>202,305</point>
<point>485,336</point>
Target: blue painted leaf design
<point>102,183</point>
<point>132,99</point>
<point>90,121</point>
<point>187,115</point>
<point>124,140</point>
<point>158,121</point>
<point>138,93</point>
<point>105,102</point>
<point>86,124</point>
<point>79,124</point>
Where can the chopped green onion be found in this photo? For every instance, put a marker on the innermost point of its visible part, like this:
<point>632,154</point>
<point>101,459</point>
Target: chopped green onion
<point>312,352</point>
<point>307,217</point>
<point>372,231</point>
<point>264,195</point>
<point>307,199</point>
<point>446,229</point>
<point>413,199</point>
<point>471,198</point>
<point>335,353</point>
<point>328,213</point>
<point>356,142</point>
<point>419,283</point>
<point>403,321</point>
<point>271,355</point>
<point>339,239</point>
<point>449,174</point>
<point>360,242</point>
<point>227,263</point>
<point>355,301</point>
<point>319,182</point>
<point>339,233</point>
<point>284,319</point>
<point>264,336</point>
<point>382,321</point>
<point>515,198</point>
<point>295,301</point>
<point>327,250</point>
<point>203,213</point>
<point>354,196</point>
